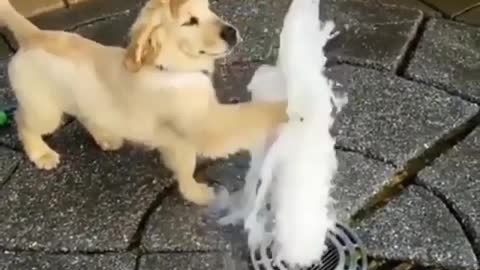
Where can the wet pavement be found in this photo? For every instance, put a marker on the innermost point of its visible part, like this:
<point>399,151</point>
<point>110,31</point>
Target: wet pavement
<point>408,144</point>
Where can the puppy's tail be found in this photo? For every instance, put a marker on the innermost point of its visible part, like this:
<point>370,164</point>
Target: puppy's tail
<point>21,28</point>
<point>231,128</point>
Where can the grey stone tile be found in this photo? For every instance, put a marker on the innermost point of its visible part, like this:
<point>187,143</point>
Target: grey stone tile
<point>372,35</point>
<point>417,227</point>
<point>413,4</point>
<point>470,17</point>
<point>6,95</point>
<point>188,261</point>
<point>231,81</point>
<point>8,135</point>
<point>66,262</point>
<point>93,201</point>
<point>451,7</point>
<point>83,13</point>
<point>448,56</point>
<point>229,173</point>
<point>456,177</point>
<point>8,162</point>
<point>111,32</point>
<point>180,226</point>
<point>5,50</point>
<point>9,138</point>
<point>30,8</point>
<point>86,12</point>
<point>259,22</point>
<point>391,118</point>
<point>357,180</point>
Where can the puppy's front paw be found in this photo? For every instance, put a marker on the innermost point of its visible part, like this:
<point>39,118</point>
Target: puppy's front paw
<point>200,194</point>
<point>47,161</point>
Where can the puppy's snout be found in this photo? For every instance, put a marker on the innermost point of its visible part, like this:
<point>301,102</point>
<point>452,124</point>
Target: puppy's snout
<point>230,35</point>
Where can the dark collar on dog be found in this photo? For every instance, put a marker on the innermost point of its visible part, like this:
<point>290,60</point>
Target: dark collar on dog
<point>163,68</point>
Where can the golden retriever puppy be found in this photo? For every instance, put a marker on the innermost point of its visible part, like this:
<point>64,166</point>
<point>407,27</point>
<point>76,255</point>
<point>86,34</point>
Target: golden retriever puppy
<point>55,73</point>
<point>181,35</point>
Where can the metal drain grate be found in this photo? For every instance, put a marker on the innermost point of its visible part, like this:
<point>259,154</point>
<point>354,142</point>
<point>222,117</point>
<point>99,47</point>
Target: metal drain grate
<point>345,252</point>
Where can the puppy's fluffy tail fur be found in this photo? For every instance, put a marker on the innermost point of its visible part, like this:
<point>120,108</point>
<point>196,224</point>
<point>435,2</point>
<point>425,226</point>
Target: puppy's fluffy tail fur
<point>231,128</point>
<point>20,26</point>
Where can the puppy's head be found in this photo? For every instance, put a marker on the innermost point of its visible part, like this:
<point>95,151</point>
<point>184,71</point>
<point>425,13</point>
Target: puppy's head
<point>179,34</point>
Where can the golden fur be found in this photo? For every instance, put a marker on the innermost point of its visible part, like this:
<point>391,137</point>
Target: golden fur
<point>55,73</point>
<point>181,35</point>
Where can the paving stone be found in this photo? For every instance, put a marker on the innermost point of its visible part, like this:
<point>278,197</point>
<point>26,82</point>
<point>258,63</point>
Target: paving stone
<point>259,22</point>
<point>357,180</point>
<point>450,7</point>
<point>5,50</point>
<point>83,13</point>
<point>456,177</point>
<point>7,97</point>
<point>470,17</point>
<point>8,162</point>
<point>110,32</point>
<point>371,35</point>
<point>93,201</point>
<point>229,173</point>
<point>231,81</point>
<point>66,262</point>
<point>417,227</point>
<point>448,56</point>
<point>178,226</point>
<point>8,135</point>
<point>30,8</point>
<point>393,119</point>
<point>414,4</point>
<point>189,261</point>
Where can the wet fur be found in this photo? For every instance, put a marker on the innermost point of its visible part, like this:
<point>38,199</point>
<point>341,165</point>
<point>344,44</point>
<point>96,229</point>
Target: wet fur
<point>56,73</point>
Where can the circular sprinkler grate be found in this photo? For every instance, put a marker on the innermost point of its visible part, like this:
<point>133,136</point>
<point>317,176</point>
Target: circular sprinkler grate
<point>345,252</point>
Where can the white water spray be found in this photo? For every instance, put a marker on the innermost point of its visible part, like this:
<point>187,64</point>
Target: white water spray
<point>293,200</point>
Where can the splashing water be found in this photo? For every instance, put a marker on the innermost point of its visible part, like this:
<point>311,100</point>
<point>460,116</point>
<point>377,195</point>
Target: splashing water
<point>296,169</point>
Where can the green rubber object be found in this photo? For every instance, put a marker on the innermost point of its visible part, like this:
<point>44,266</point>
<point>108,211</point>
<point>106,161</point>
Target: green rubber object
<point>3,119</point>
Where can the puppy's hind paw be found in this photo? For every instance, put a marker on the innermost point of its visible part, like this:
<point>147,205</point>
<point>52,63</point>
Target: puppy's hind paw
<point>47,161</point>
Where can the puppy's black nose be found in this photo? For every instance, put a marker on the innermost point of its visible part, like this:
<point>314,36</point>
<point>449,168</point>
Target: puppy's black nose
<point>229,34</point>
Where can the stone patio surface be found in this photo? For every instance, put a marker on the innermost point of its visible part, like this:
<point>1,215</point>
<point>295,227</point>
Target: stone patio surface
<point>408,143</point>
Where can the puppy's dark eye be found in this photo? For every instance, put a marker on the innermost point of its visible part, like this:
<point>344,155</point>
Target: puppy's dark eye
<point>193,21</point>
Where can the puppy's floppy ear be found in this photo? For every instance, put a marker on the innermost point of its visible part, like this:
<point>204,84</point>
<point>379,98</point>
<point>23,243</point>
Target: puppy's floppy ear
<point>142,49</point>
<point>143,46</point>
<point>175,6</point>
